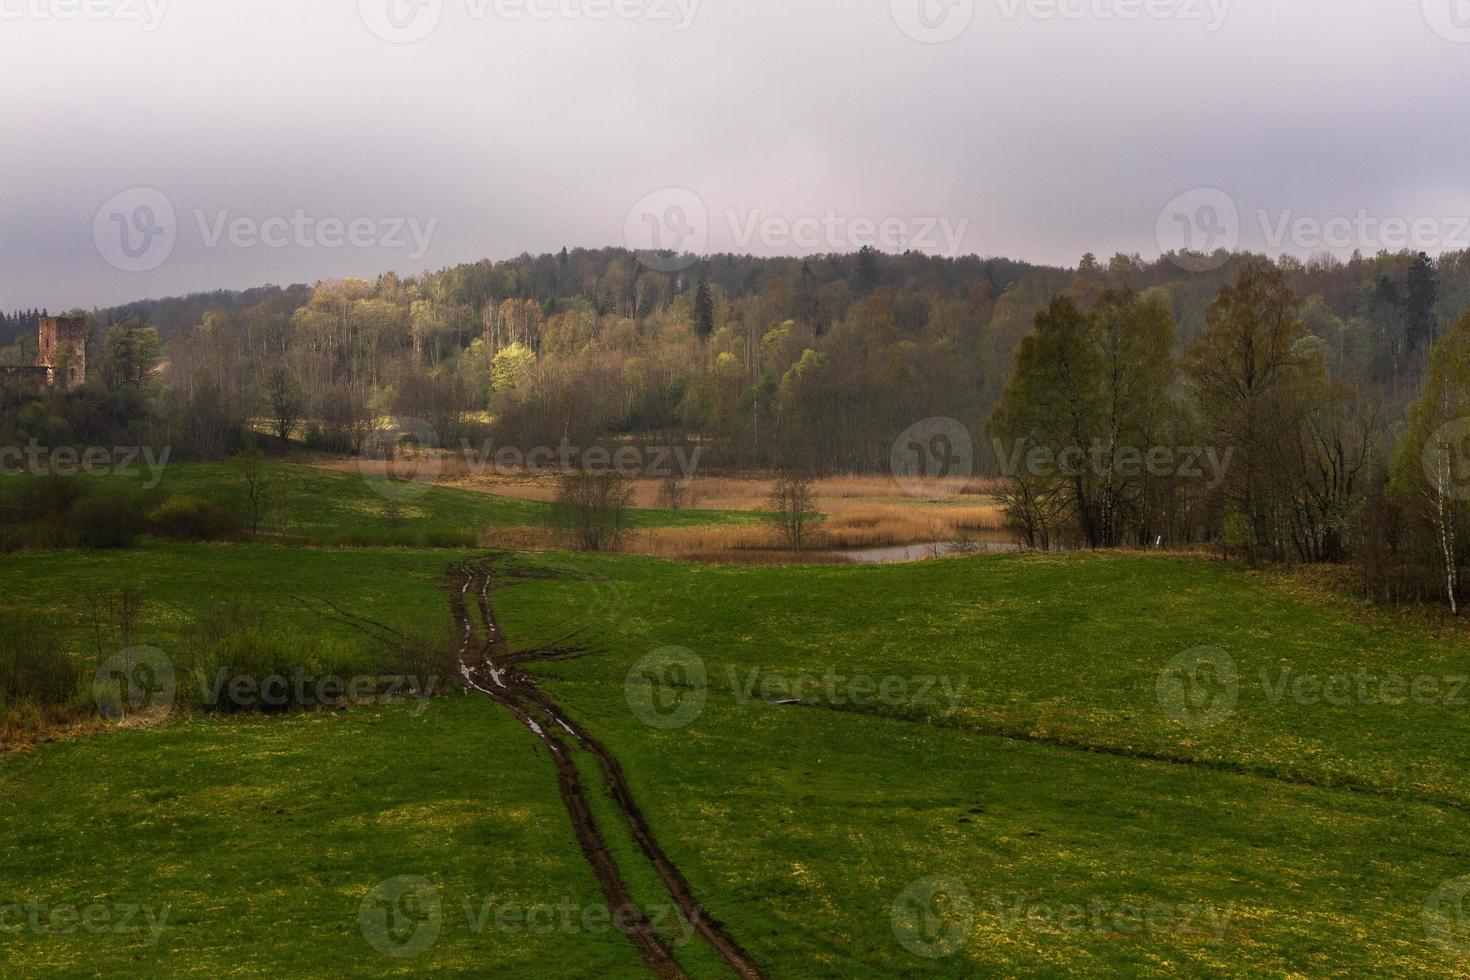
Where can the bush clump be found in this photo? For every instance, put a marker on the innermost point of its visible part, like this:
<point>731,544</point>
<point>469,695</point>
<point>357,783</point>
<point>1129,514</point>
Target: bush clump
<point>241,662</point>
<point>35,668</point>
<point>106,520</point>
<point>194,519</point>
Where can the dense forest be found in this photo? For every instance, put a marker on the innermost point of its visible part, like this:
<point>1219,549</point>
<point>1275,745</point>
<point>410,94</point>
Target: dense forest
<point>1311,375</point>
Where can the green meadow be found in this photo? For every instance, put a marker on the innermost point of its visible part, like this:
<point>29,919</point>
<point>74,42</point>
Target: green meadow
<point>967,767</point>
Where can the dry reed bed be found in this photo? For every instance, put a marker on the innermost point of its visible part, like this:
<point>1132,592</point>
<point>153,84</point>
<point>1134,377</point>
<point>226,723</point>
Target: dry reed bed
<point>861,512</point>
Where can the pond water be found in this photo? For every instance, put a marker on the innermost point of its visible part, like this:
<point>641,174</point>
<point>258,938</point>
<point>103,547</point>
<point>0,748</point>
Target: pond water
<point>917,552</point>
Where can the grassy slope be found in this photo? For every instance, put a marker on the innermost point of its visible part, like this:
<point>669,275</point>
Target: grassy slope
<point>264,837</point>
<point>1062,649</point>
<point>180,581</point>
<point>800,827</point>
<point>326,501</point>
<point>804,824</point>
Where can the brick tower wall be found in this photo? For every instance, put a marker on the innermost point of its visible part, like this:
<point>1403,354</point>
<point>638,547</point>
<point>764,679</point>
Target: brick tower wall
<point>63,340</point>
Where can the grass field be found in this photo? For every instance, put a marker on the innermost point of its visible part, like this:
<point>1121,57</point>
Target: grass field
<point>326,505</point>
<point>1017,793</point>
<point>257,842</point>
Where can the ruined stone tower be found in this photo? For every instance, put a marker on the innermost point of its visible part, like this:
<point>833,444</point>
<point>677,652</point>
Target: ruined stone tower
<point>62,350</point>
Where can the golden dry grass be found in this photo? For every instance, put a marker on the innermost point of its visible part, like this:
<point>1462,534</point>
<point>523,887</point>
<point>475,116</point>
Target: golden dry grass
<point>861,512</point>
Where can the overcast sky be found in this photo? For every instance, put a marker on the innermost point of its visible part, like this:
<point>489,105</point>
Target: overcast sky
<point>156,147</point>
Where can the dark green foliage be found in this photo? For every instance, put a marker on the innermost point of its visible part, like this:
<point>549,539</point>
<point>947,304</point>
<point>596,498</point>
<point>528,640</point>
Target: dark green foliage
<point>704,311</point>
<point>34,665</point>
<point>195,519</point>
<point>110,518</point>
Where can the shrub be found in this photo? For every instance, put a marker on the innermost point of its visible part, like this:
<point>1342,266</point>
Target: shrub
<point>236,642</point>
<point>243,661</point>
<point>47,498</point>
<point>793,511</point>
<point>194,519</point>
<point>106,520</point>
<point>242,645</point>
<point>34,666</point>
<point>591,509</point>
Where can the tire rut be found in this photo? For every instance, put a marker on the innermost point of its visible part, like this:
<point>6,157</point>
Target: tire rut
<point>488,665</point>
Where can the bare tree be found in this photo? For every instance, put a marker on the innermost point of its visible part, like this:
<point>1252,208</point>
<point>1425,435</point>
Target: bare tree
<point>591,508</point>
<point>251,467</point>
<point>793,511</point>
<point>113,615</point>
<point>285,400</point>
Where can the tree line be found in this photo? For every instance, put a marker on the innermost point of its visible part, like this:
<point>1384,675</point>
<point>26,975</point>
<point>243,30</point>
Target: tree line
<point>818,364</point>
<point>1108,417</point>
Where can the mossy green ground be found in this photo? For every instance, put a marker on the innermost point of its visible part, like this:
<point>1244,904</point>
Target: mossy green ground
<point>259,840</point>
<point>1295,836</point>
<point>310,501</point>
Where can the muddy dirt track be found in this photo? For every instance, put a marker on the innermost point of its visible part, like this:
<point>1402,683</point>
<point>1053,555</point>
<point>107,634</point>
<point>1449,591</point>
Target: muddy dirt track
<point>489,665</point>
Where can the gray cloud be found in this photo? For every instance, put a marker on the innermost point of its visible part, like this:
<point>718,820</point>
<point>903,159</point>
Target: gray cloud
<point>1044,130</point>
